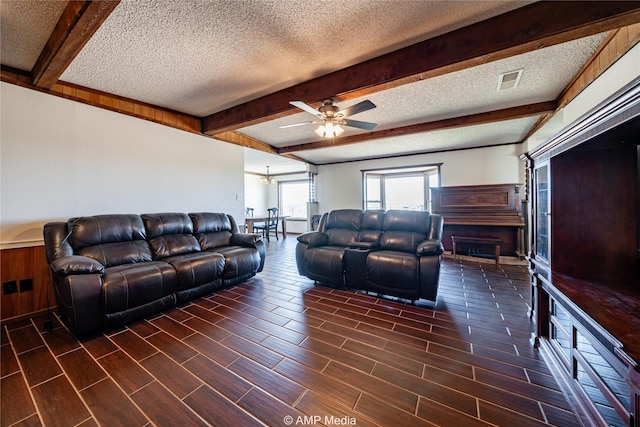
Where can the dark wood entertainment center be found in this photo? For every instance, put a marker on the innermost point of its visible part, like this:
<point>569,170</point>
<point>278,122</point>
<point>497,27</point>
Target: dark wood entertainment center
<point>585,256</point>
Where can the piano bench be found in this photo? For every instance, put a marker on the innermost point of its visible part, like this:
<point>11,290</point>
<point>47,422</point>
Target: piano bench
<point>477,241</point>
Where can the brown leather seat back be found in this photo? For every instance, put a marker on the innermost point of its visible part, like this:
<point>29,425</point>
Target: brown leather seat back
<point>212,229</point>
<point>404,230</point>
<point>170,234</point>
<point>110,239</point>
<point>343,226</point>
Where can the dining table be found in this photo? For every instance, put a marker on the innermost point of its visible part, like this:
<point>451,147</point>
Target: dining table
<point>256,219</point>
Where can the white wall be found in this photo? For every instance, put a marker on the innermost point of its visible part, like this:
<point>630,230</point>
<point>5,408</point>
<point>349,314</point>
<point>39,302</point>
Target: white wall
<point>255,193</point>
<point>61,159</point>
<point>340,186</point>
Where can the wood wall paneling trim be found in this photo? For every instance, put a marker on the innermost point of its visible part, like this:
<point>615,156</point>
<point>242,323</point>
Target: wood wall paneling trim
<point>131,107</point>
<point>20,265</point>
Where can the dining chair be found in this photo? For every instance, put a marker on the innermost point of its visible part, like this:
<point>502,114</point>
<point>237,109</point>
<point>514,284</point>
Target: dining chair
<point>315,222</point>
<point>248,212</point>
<point>271,225</point>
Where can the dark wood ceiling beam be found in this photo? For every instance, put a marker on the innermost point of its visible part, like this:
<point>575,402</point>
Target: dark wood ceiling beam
<point>77,24</point>
<point>245,141</point>
<point>455,122</point>
<point>523,30</point>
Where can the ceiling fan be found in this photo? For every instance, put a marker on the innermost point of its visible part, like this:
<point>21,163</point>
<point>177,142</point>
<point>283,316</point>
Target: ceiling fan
<point>331,118</point>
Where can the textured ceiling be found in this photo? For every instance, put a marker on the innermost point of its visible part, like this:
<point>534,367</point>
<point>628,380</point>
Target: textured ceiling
<point>24,29</point>
<point>231,51</point>
<point>201,57</point>
<point>474,90</point>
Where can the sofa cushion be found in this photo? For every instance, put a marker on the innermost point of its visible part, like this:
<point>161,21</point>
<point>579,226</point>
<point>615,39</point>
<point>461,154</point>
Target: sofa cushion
<point>196,269</point>
<point>172,245</point>
<point>110,239</point>
<point>350,219</point>
<point>161,224</point>
<point>393,269</point>
<point>342,237</point>
<point>325,263</point>
<point>372,221</point>
<point>99,229</point>
<point>212,229</point>
<point>399,220</point>
<point>239,260</point>
<point>404,241</point>
<point>131,285</point>
<point>111,254</point>
<point>404,230</point>
<point>170,234</point>
<point>343,227</point>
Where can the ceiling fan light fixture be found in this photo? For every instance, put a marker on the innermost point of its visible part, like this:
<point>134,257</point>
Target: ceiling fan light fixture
<point>332,119</point>
<point>329,130</point>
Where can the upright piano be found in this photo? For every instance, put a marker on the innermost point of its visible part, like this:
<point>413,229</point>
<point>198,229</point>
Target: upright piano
<point>486,211</point>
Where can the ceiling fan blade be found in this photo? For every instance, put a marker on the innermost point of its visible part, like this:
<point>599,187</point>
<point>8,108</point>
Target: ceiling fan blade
<point>357,108</point>
<point>295,124</point>
<point>309,109</point>
<point>359,124</point>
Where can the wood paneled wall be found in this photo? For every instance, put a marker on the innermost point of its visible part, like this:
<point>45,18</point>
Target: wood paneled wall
<point>618,44</point>
<point>18,268</point>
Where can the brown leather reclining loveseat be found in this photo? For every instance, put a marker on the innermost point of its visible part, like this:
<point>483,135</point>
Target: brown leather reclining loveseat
<point>394,253</point>
<point>109,270</point>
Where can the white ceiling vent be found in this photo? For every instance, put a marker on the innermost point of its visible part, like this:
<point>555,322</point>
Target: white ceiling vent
<point>509,80</point>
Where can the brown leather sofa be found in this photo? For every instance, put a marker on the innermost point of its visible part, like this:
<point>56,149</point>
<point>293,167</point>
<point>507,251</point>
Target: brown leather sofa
<point>395,253</point>
<point>109,270</point>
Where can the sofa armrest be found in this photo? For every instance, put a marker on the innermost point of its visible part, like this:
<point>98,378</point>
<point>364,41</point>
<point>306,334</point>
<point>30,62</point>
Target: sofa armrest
<point>314,238</point>
<point>245,239</point>
<point>430,247</point>
<point>76,264</point>
<point>79,301</point>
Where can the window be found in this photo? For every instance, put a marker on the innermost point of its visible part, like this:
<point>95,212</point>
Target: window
<point>294,196</point>
<point>401,188</point>
<point>373,185</point>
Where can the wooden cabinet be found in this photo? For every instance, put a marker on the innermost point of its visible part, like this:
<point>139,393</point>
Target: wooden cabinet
<point>24,274</point>
<point>542,220</point>
<point>584,259</point>
<point>590,338</point>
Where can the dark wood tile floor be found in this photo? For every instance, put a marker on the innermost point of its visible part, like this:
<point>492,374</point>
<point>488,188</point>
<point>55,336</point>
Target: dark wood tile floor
<point>278,350</point>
